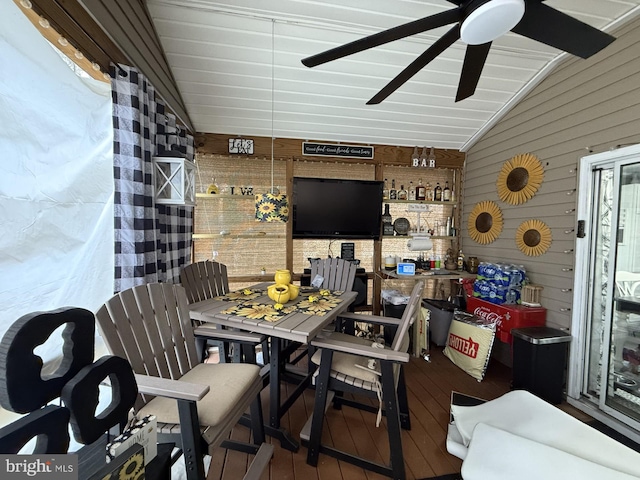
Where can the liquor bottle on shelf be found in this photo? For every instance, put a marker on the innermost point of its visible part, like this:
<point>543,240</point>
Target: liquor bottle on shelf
<point>412,191</point>
<point>387,221</point>
<point>393,193</point>
<point>415,158</point>
<point>385,190</point>
<point>424,159</point>
<point>402,193</point>
<point>421,191</point>
<point>446,193</point>
<point>437,193</point>
<point>428,192</point>
<point>431,159</point>
<point>460,261</point>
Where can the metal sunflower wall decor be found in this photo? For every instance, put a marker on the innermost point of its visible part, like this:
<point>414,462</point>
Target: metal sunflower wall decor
<point>533,237</point>
<point>485,222</point>
<point>519,179</point>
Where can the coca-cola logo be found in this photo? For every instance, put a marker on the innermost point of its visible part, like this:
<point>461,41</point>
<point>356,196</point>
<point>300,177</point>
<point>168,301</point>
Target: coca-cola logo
<point>488,315</point>
<point>465,346</point>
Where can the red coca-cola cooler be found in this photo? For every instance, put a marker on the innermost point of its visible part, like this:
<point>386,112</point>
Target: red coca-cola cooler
<point>507,316</point>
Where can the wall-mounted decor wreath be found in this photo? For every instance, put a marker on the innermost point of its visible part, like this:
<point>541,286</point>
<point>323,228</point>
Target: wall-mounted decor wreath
<point>485,222</point>
<point>519,179</point>
<point>533,237</point>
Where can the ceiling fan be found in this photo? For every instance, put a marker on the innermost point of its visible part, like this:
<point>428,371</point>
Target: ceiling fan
<point>478,23</point>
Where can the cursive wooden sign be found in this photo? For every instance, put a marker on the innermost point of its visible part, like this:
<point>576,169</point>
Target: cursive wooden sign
<point>336,150</point>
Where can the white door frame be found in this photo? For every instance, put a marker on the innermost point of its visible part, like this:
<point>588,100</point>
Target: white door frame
<point>583,271</point>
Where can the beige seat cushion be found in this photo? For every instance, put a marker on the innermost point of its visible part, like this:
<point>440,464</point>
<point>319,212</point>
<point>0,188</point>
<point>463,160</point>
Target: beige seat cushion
<point>229,383</point>
<point>348,368</point>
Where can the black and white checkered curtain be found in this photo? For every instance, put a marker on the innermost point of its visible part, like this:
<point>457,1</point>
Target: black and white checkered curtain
<point>152,242</point>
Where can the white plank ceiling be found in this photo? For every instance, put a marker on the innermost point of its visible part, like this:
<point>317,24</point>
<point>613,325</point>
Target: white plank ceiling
<point>237,65</point>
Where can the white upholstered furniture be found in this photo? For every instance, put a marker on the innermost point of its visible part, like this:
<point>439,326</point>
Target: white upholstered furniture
<point>519,436</point>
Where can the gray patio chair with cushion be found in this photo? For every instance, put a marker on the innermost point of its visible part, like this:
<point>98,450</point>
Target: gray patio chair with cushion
<point>149,325</point>
<point>344,366</point>
<point>205,280</point>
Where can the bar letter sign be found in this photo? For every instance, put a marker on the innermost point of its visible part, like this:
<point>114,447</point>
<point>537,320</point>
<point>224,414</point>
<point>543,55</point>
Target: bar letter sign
<point>336,150</point>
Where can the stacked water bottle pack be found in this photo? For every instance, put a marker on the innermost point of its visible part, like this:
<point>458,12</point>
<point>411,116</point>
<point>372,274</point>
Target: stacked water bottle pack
<point>499,283</point>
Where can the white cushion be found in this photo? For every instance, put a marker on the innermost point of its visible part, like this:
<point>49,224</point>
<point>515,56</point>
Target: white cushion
<point>527,416</point>
<point>498,455</point>
<point>455,444</point>
<point>348,368</point>
<point>353,369</point>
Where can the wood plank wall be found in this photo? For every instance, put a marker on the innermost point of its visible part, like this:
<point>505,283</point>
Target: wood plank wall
<point>585,105</point>
<point>286,148</point>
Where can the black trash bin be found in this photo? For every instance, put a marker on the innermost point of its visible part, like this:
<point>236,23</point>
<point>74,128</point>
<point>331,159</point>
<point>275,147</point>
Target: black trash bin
<point>540,361</point>
<point>440,319</point>
<point>395,311</point>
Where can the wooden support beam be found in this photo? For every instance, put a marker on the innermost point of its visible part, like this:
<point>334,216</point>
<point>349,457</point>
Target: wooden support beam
<point>286,148</point>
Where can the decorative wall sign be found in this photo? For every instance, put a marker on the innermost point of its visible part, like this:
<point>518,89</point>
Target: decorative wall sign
<point>533,237</point>
<point>272,208</point>
<point>241,146</point>
<point>519,179</point>
<point>336,150</point>
<point>485,222</point>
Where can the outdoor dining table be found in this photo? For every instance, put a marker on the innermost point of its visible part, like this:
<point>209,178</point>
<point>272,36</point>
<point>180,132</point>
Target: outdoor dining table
<point>297,323</point>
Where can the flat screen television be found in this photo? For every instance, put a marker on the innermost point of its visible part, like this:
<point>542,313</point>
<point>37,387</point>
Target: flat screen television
<point>334,208</point>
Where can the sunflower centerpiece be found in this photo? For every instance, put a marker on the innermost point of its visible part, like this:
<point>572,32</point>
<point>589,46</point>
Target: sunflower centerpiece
<point>282,290</point>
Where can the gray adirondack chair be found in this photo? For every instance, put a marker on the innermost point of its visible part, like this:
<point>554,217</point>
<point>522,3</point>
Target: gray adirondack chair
<point>343,362</point>
<point>149,325</point>
<point>338,274</point>
<point>205,280</point>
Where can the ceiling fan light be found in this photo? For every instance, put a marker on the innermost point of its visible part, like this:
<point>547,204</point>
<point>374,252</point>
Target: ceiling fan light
<point>490,20</point>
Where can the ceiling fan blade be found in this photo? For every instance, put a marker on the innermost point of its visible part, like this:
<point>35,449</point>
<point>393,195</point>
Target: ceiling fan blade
<point>418,64</point>
<point>401,31</point>
<point>552,27</point>
<point>474,60</point>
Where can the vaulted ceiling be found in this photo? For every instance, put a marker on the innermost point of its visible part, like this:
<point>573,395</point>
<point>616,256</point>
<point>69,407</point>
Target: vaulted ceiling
<point>237,64</point>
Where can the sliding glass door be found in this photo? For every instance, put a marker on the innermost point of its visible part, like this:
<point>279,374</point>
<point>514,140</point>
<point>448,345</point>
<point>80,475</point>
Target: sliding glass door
<point>608,284</point>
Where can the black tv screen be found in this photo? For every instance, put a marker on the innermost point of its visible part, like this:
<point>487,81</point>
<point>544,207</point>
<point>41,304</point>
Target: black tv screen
<point>331,208</point>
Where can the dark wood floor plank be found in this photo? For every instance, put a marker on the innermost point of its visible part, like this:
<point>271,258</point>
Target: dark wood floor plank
<point>429,386</point>
<point>217,464</point>
<point>298,415</point>
<point>237,461</point>
<point>341,438</point>
<point>281,466</point>
<point>328,468</point>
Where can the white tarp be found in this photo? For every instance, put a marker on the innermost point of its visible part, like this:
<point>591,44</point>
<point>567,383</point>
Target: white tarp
<point>56,179</point>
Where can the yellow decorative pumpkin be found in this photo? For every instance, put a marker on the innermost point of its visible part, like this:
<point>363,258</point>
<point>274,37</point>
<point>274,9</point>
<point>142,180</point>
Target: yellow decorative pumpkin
<point>294,290</point>
<point>282,277</point>
<point>278,292</point>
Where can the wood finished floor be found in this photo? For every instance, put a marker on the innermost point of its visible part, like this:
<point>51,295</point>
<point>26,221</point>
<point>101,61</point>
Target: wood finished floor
<point>429,387</point>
